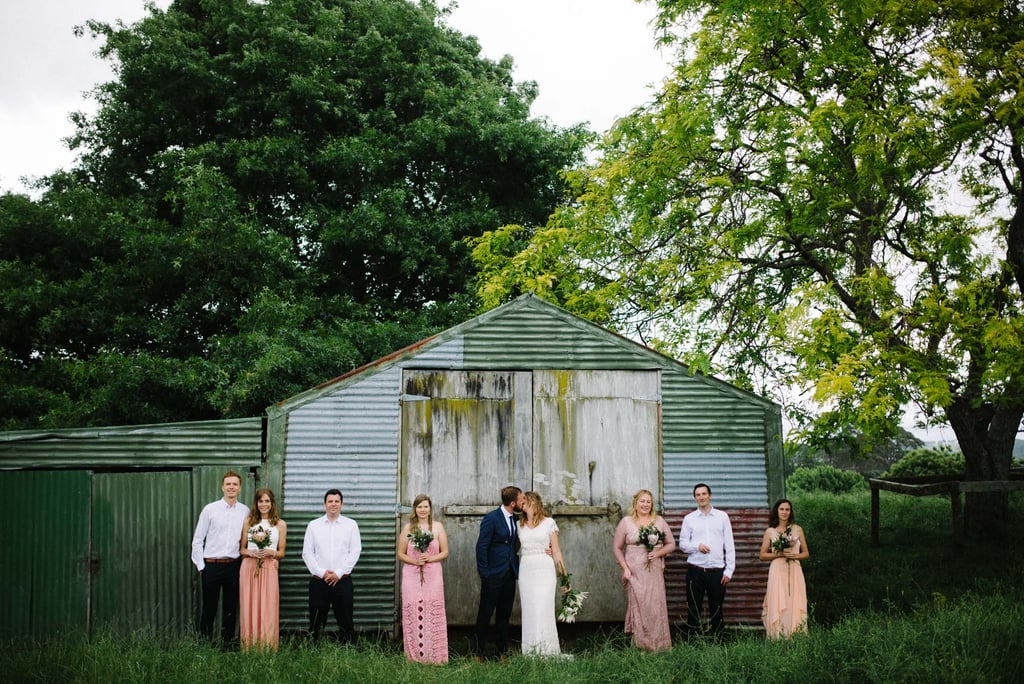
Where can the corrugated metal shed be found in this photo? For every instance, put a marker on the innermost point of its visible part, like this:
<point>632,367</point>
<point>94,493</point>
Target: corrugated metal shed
<point>103,519</point>
<point>227,442</point>
<point>352,433</point>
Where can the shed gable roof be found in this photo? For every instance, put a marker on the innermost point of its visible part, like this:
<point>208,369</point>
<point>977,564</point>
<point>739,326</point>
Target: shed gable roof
<point>526,333</point>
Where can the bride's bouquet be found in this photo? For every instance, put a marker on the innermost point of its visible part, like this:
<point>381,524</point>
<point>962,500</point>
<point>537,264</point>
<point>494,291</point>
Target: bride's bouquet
<point>571,600</point>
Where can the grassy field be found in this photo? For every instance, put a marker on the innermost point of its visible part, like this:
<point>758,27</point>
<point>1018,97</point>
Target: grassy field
<point>915,609</point>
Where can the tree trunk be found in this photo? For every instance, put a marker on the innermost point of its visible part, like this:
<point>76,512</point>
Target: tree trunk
<point>986,436</point>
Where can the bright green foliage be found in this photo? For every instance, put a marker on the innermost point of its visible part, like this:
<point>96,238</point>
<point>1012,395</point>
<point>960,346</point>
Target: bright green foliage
<point>941,460</point>
<point>825,478</point>
<point>270,194</point>
<point>790,212</point>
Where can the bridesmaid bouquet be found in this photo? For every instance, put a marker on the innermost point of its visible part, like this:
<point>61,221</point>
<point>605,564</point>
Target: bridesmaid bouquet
<point>571,601</point>
<point>650,537</point>
<point>420,540</point>
<point>783,541</point>
<point>260,536</point>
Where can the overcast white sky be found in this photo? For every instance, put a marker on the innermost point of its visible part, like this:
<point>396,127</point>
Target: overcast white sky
<point>594,60</point>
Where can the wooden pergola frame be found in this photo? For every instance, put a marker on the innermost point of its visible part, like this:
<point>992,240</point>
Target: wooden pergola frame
<point>952,485</point>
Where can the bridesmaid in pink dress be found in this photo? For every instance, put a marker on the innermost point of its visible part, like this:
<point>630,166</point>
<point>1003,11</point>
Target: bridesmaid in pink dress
<point>784,612</point>
<point>643,574</point>
<point>258,594</point>
<point>424,622</point>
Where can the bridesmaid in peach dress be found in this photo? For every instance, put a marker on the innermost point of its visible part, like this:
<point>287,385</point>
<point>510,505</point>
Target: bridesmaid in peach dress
<point>424,620</point>
<point>784,612</point>
<point>643,573</point>
<point>262,547</point>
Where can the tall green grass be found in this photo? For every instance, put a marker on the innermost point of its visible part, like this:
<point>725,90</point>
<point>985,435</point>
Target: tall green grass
<point>916,609</point>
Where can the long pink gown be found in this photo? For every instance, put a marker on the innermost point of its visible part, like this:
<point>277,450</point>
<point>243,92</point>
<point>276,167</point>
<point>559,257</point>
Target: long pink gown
<point>785,600</point>
<point>259,599</point>
<point>646,609</point>
<point>424,621</point>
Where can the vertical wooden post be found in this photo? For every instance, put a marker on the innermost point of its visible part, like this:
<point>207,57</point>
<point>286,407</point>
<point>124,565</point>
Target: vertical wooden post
<point>874,516</point>
<point>958,514</point>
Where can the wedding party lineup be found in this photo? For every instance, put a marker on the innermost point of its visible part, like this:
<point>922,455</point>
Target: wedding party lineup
<point>237,551</point>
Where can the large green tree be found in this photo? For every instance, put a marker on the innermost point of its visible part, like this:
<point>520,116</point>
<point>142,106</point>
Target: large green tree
<point>268,195</point>
<point>826,197</point>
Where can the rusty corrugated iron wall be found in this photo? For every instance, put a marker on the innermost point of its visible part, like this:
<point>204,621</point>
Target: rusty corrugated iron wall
<point>745,592</point>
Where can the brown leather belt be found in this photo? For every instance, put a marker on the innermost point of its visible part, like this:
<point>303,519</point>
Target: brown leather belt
<point>220,560</point>
<point>697,567</point>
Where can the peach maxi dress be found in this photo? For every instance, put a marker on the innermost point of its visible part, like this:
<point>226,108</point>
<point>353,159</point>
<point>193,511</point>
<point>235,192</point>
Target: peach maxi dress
<point>785,601</point>
<point>259,598</point>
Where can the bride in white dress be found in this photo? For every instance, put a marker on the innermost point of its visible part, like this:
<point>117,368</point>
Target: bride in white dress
<point>537,580</point>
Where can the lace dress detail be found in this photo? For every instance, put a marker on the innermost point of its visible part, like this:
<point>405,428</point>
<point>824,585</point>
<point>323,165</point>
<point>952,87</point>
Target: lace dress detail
<point>424,620</point>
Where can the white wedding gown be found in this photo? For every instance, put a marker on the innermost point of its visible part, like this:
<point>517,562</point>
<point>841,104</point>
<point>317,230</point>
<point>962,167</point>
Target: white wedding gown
<point>537,584</point>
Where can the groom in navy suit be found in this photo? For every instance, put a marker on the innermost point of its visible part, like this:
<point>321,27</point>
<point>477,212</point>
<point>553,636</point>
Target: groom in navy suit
<point>498,565</point>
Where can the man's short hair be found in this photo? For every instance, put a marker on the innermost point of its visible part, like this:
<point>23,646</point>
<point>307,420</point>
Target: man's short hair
<point>510,494</point>
<point>231,473</point>
<point>334,491</point>
<point>698,486</point>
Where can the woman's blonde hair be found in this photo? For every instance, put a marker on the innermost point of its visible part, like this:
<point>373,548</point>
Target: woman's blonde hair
<point>420,498</point>
<point>539,512</point>
<point>636,497</point>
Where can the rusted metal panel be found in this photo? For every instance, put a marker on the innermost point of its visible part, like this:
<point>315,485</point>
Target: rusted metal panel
<point>227,442</point>
<point>141,572</point>
<point>44,578</point>
<point>745,593</point>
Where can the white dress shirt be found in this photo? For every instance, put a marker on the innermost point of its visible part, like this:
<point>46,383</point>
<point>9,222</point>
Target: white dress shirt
<point>331,546</point>
<point>713,529</point>
<point>218,531</point>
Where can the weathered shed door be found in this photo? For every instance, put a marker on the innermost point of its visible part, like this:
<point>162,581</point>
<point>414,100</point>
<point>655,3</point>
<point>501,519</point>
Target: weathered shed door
<point>141,531</point>
<point>44,578</point>
<point>597,437</point>
<point>580,438</point>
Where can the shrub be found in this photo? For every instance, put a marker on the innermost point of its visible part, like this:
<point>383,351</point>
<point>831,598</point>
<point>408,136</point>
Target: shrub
<point>941,460</point>
<point>825,478</point>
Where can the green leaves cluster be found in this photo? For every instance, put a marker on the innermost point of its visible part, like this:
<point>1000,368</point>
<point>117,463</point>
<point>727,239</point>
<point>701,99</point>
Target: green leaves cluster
<point>825,200</point>
<point>269,195</point>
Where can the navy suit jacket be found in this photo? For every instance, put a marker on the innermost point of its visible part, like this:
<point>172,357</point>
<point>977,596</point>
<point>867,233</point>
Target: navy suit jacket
<point>495,548</point>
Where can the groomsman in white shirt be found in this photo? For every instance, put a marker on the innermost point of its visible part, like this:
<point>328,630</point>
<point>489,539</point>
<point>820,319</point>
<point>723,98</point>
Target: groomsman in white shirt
<point>216,555</point>
<point>706,539</point>
<point>330,551</point>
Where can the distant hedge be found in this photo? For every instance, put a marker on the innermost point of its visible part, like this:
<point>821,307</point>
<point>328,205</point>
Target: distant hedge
<point>825,478</point>
<point>941,460</point>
